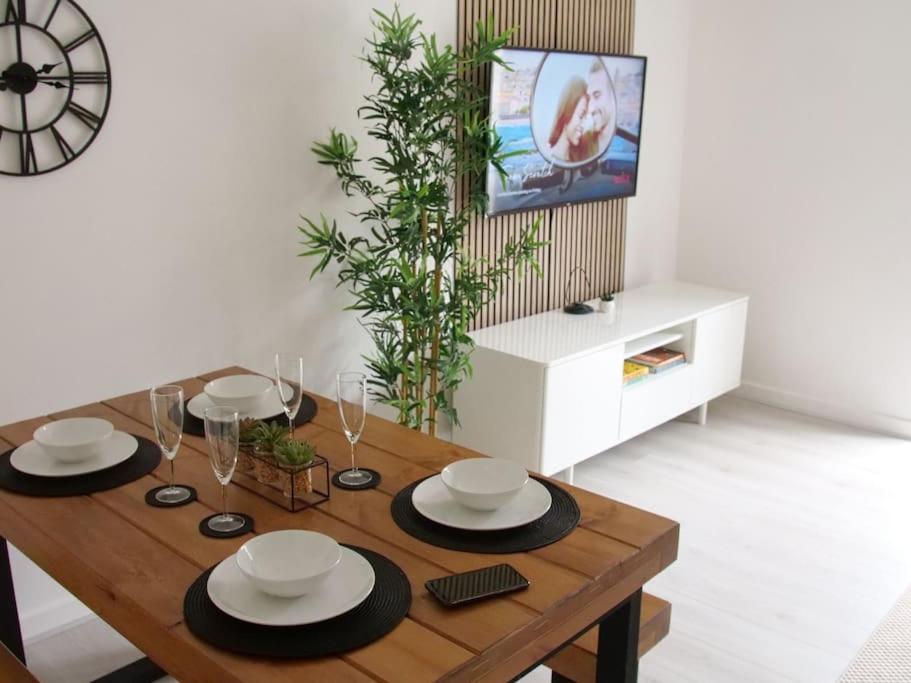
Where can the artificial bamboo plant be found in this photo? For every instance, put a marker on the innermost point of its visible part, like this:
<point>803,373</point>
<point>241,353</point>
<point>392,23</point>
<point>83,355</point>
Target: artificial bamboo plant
<point>414,286</point>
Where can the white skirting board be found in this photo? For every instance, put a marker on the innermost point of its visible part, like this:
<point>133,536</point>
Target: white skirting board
<point>53,617</point>
<point>807,405</point>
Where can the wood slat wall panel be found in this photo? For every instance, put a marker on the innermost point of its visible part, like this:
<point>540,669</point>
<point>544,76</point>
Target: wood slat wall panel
<point>592,236</point>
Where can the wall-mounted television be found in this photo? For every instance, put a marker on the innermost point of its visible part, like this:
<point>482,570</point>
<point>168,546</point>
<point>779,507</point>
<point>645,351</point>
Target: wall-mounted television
<point>574,122</point>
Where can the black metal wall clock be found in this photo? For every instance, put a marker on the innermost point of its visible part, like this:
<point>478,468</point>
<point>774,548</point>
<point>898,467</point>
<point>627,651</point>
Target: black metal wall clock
<point>55,85</point>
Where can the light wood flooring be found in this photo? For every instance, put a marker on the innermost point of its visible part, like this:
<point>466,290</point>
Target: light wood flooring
<point>793,547</point>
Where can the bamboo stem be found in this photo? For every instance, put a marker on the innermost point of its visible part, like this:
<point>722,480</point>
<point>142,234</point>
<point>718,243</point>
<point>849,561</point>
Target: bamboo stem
<point>435,343</point>
<point>403,394</point>
<point>421,349</point>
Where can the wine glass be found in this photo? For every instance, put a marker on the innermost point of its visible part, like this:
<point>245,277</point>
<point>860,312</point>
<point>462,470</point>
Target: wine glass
<point>222,435</point>
<point>167,419</point>
<point>352,408</point>
<point>289,379</point>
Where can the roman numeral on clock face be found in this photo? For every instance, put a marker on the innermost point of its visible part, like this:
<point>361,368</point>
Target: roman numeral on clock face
<point>27,160</point>
<point>10,15</point>
<point>90,77</point>
<point>81,40</point>
<point>62,144</point>
<point>50,16</point>
<point>90,119</point>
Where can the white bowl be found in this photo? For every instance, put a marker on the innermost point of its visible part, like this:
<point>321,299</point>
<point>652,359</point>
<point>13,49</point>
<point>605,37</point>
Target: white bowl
<point>484,483</point>
<point>288,563</point>
<point>74,439</point>
<point>245,393</point>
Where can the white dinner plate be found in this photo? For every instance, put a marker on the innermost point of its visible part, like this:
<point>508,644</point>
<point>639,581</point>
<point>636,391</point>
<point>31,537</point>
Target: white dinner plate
<point>346,588</point>
<point>31,458</point>
<point>271,405</point>
<point>433,500</point>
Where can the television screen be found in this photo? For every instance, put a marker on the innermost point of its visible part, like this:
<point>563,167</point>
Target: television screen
<point>573,122</point>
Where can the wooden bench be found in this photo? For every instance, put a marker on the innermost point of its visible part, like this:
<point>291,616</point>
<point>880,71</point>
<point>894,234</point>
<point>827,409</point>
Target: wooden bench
<point>577,661</point>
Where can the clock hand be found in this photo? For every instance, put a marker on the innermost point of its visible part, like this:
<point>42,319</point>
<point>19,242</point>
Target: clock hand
<point>56,84</point>
<point>47,68</point>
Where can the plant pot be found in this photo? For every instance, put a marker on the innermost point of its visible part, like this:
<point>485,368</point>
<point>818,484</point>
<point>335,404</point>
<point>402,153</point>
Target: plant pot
<point>302,481</point>
<point>607,306</point>
<point>265,468</point>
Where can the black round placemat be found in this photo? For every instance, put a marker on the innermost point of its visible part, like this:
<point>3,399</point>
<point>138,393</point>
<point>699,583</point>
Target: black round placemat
<point>556,523</point>
<point>381,612</point>
<point>194,426</point>
<point>240,531</point>
<point>372,484</point>
<point>155,503</point>
<point>141,463</point>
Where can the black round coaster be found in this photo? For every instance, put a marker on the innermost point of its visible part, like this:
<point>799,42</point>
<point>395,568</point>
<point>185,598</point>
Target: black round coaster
<point>211,533</point>
<point>155,503</point>
<point>556,523</point>
<point>372,484</point>
<point>381,612</point>
<point>194,426</point>
<point>141,463</point>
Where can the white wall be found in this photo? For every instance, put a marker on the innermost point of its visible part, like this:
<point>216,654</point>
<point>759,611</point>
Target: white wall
<point>662,34</point>
<point>795,190</point>
<point>169,248</point>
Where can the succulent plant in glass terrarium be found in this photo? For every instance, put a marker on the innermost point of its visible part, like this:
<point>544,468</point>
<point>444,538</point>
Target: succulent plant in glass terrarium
<point>294,457</point>
<point>294,454</point>
<point>267,436</point>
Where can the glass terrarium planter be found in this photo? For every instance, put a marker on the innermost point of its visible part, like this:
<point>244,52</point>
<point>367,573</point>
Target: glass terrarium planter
<point>293,488</point>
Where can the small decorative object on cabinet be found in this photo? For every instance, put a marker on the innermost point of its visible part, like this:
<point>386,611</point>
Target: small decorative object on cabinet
<point>55,93</point>
<point>576,307</point>
<point>607,304</point>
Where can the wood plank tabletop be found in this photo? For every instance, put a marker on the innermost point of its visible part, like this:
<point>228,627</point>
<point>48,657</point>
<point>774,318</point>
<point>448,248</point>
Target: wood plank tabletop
<point>132,564</point>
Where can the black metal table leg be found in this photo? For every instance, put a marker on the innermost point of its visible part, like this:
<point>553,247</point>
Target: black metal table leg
<point>618,644</point>
<point>10,631</point>
<point>141,671</point>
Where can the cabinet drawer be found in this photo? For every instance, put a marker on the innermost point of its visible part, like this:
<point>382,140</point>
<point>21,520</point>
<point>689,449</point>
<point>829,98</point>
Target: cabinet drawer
<point>581,408</point>
<point>656,400</point>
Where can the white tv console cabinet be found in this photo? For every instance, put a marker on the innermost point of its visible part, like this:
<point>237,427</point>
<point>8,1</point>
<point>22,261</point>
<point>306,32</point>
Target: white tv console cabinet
<point>547,390</point>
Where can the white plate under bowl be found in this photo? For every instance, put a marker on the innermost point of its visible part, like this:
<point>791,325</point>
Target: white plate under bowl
<point>31,458</point>
<point>433,500</point>
<point>271,406</point>
<point>346,588</point>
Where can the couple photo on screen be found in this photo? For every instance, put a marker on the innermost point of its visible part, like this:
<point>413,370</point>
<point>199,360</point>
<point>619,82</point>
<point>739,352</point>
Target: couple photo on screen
<point>583,123</point>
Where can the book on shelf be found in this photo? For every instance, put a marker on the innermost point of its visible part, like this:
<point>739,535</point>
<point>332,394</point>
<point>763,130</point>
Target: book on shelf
<point>634,372</point>
<point>636,380</point>
<point>660,359</point>
<point>668,366</point>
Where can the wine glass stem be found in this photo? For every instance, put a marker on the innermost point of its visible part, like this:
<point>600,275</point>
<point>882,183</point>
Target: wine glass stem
<point>224,499</point>
<point>171,479</point>
<point>291,428</point>
<point>353,466</point>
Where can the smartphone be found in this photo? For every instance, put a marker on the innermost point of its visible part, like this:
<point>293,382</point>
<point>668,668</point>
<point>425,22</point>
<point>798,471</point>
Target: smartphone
<point>461,589</point>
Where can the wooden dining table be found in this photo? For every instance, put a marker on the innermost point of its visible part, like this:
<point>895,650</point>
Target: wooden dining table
<point>584,615</point>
